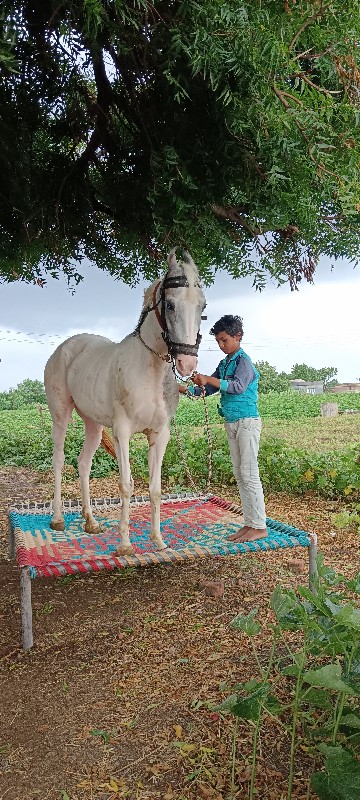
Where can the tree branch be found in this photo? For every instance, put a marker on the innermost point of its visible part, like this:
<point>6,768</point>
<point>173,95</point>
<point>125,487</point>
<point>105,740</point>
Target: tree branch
<point>318,88</point>
<point>306,24</point>
<point>232,214</point>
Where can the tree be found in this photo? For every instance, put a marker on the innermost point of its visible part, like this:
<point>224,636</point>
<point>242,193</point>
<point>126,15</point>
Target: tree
<point>305,373</point>
<point>26,393</point>
<point>270,379</point>
<point>225,126</point>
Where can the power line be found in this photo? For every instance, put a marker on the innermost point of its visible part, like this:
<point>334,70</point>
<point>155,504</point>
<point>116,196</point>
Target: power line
<point>258,345</point>
<point>251,345</point>
<point>22,333</point>
<point>25,341</point>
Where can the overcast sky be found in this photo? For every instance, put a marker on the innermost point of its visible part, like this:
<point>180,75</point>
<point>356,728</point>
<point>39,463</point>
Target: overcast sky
<point>318,325</point>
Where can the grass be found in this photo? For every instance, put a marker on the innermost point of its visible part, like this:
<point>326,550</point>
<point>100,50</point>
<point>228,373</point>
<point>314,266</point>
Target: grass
<point>315,434</point>
<point>296,454</point>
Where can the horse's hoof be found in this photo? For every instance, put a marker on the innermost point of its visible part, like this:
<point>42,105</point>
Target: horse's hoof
<point>124,550</point>
<point>57,525</point>
<point>92,529</point>
<point>160,544</point>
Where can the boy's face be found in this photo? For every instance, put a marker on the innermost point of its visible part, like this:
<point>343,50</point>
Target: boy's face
<point>228,344</point>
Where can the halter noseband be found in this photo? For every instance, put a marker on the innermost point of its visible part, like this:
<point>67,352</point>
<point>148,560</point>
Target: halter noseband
<point>174,348</point>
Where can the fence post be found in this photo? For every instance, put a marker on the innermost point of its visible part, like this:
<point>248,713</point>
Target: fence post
<point>329,409</point>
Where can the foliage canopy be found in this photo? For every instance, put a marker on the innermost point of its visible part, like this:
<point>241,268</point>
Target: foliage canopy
<point>224,126</point>
<point>26,393</point>
<point>270,379</point>
<point>325,374</point>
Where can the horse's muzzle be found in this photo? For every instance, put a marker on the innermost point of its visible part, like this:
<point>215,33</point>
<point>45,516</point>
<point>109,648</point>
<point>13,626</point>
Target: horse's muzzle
<point>185,365</point>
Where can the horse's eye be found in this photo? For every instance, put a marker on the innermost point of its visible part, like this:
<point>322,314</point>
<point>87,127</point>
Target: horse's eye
<point>169,306</point>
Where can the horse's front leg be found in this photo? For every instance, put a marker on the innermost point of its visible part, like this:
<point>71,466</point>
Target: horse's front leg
<point>157,447</point>
<point>60,423</point>
<point>126,486</point>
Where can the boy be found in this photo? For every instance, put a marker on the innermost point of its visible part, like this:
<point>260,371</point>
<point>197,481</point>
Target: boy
<point>237,379</point>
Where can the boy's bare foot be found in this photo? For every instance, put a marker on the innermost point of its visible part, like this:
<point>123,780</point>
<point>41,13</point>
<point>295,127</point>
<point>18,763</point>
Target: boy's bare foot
<point>233,536</point>
<point>247,534</point>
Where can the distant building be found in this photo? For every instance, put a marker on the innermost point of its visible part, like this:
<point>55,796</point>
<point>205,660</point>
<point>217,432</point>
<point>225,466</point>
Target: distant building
<point>307,387</point>
<point>345,387</point>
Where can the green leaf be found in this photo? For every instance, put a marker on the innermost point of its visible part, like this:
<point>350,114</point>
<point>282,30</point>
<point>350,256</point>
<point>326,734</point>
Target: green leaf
<point>328,677</point>
<point>293,670</point>
<point>349,616</point>
<point>272,705</point>
<point>247,624</point>
<point>341,778</point>
<point>351,720</point>
<point>248,708</point>
<point>354,584</point>
<point>318,698</point>
<point>103,734</point>
<point>228,704</point>
<point>287,608</point>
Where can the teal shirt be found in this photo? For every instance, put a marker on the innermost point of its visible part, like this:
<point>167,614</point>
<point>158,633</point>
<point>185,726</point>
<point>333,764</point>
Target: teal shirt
<point>238,387</point>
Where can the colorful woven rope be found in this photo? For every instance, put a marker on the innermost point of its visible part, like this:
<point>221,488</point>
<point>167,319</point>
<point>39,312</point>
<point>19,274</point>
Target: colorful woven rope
<point>193,527</point>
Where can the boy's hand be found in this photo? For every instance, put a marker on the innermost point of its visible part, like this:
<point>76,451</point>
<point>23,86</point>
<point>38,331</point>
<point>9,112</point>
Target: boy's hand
<point>200,380</point>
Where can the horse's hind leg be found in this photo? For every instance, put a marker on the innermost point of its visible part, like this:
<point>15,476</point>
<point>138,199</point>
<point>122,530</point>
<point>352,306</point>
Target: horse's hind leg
<point>93,432</point>
<point>60,423</point>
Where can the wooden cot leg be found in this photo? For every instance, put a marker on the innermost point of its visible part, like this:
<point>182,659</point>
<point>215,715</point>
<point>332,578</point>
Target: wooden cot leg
<point>313,571</point>
<point>26,609</point>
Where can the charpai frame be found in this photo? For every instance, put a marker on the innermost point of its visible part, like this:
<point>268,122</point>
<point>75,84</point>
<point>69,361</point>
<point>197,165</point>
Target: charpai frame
<point>195,526</point>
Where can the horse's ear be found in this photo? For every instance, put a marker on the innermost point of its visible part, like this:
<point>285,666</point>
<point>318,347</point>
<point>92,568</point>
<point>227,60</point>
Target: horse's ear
<point>171,259</point>
<point>187,258</point>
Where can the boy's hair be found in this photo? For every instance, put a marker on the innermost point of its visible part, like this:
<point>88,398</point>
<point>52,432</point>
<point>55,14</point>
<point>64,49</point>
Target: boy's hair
<point>229,324</point>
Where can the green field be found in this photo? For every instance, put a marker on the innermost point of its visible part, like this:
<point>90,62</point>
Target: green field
<point>315,434</point>
<point>300,450</point>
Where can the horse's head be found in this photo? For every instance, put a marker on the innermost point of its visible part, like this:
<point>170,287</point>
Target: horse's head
<point>182,304</point>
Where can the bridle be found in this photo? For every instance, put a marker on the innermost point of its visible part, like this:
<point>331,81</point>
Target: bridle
<point>174,348</point>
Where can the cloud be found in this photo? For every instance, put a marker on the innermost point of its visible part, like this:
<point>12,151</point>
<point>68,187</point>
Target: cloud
<point>318,325</point>
<point>55,309</point>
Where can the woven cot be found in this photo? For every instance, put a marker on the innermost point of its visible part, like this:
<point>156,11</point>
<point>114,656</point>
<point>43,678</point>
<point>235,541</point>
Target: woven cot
<point>193,526</point>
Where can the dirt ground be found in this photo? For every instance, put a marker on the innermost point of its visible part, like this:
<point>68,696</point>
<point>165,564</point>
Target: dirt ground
<point>116,697</point>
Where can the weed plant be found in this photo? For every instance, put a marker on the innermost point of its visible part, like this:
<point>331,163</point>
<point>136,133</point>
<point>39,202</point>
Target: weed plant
<point>313,691</point>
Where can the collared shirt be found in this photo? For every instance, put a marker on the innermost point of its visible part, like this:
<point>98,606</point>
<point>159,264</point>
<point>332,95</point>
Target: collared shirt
<point>237,384</point>
<point>238,387</point>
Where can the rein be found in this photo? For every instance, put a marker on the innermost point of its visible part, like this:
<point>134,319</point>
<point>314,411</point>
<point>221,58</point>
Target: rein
<point>166,357</point>
<point>208,433</point>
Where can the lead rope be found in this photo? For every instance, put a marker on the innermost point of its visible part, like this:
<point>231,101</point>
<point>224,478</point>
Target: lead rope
<point>208,433</point>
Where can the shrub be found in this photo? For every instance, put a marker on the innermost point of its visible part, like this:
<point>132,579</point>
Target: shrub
<point>25,440</point>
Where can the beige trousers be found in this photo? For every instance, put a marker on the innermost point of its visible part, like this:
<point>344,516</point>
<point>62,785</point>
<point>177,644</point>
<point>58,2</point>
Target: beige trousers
<point>244,439</point>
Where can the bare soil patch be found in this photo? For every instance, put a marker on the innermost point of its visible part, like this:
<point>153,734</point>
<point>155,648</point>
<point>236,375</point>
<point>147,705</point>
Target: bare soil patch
<point>115,699</point>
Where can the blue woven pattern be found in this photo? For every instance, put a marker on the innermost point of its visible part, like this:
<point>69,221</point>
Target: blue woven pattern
<point>193,529</point>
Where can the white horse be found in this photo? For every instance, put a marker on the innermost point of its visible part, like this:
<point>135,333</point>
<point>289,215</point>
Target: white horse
<point>129,386</point>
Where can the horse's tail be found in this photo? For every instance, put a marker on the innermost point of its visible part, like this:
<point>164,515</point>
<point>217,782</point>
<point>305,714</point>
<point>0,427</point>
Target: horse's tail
<point>107,443</point>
